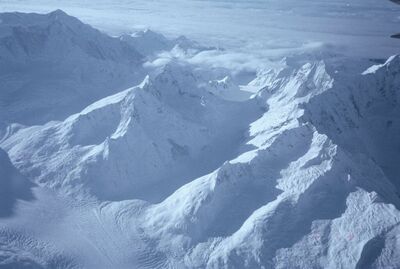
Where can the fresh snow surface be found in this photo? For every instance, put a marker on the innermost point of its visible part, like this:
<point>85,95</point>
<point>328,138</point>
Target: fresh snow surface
<point>189,166</point>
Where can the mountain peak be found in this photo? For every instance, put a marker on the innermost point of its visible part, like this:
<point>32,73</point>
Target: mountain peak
<point>35,19</point>
<point>393,63</point>
<point>301,171</point>
<point>87,63</point>
<point>60,16</point>
<point>58,12</point>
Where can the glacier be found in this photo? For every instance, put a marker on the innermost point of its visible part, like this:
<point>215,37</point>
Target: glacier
<point>127,152</point>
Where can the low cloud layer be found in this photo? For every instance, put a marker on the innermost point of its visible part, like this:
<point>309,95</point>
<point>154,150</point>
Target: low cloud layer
<point>359,27</point>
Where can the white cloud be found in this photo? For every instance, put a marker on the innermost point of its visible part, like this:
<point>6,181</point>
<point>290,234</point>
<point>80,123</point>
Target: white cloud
<point>362,26</point>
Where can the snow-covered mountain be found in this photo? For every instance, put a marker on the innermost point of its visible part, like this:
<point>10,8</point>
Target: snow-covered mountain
<point>297,200</point>
<point>149,43</point>
<point>182,171</point>
<point>362,117</point>
<point>155,124</point>
<point>53,65</point>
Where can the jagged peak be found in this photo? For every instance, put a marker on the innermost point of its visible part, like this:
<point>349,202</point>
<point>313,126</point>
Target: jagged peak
<point>392,63</point>
<point>290,82</point>
<point>147,33</point>
<point>146,82</point>
<point>188,44</point>
<point>175,72</point>
<point>37,19</point>
<point>393,60</point>
<point>59,16</point>
<point>58,12</point>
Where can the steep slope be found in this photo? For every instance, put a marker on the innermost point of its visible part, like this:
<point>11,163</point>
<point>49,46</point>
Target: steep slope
<point>227,89</point>
<point>53,65</point>
<point>291,194</point>
<point>17,248</point>
<point>13,186</point>
<point>297,201</point>
<point>147,42</point>
<point>301,174</point>
<point>363,117</point>
<point>150,43</point>
<point>141,143</point>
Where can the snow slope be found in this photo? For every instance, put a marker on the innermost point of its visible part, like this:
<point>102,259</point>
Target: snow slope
<point>182,171</point>
<point>149,43</point>
<point>296,201</point>
<point>53,65</point>
<point>363,117</point>
<point>155,123</point>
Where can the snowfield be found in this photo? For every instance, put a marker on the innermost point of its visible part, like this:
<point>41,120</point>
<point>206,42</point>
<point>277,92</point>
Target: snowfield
<point>124,152</point>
